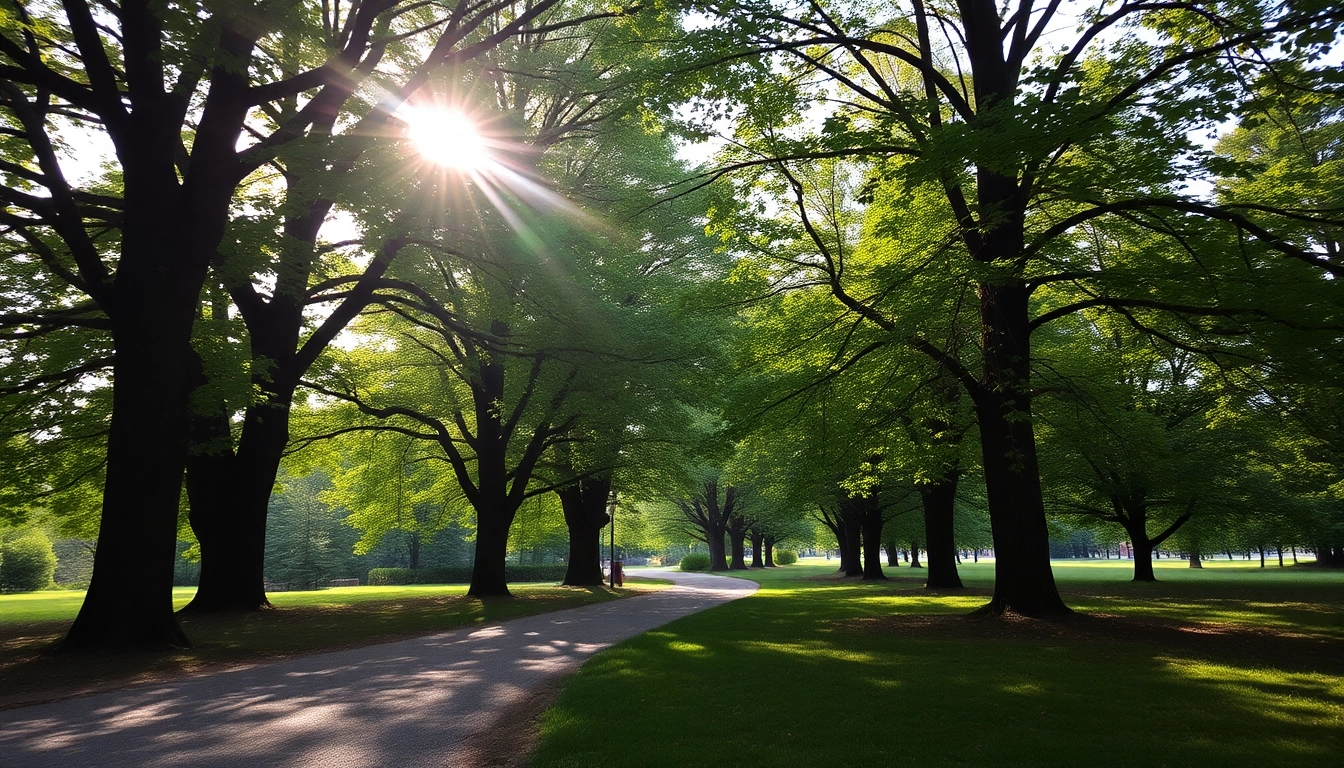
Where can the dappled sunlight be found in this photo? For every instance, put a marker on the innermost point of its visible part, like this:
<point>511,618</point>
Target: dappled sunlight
<point>813,652</point>
<point>412,702</point>
<point>915,677</point>
<point>681,647</point>
<point>1025,689</point>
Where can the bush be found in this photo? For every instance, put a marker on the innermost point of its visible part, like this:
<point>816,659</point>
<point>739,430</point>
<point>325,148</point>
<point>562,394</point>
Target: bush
<point>460,574</point>
<point>27,563</point>
<point>695,561</point>
<point>786,557</point>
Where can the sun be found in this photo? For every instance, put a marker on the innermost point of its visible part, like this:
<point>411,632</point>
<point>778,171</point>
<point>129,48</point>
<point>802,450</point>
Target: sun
<point>448,138</point>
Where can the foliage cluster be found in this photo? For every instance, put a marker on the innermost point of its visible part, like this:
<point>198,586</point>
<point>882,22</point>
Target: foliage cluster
<point>27,561</point>
<point>383,577</point>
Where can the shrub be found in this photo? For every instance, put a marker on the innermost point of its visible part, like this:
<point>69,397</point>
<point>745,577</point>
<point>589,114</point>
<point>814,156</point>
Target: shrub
<point>27,563</point>
<point>695,561</point>
<point>785,557</point>
<point>460,574</point>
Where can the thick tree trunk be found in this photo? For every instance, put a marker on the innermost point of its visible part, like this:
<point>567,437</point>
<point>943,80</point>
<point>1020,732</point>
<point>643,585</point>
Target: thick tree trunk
<point>584,505</point>
<point>718,554</point>
<point>229,511</point>
<point>872,544</point>
<point>853,549</point>
<point>488,578</point>
<point>914,555</point>
<point>757,547</point>
<point>1023,581</point>
<point>1142,547</point>
<point>893,554</point>
<point>495,504</point>
<point>939,502</point>
<point>129,603</point>
<point>769,544</point>
<point>737,539</point>
<point>167,236</point>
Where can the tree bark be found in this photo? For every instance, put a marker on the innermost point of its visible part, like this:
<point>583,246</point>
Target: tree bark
<point>770,552</point>
<point>129,602</point>
<point>893,554</point>
<point>939,502</point>
<point>584,505</point>
<point>757,547</point>
<point>853,563</point>
<point>872,540</point>
<point>488,577</point>
<point>737,539</point>
<point>718,553</point>
<point>1023,581</point>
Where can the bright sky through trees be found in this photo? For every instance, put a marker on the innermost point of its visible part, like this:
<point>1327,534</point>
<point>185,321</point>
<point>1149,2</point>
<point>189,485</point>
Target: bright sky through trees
<point>447,137</point>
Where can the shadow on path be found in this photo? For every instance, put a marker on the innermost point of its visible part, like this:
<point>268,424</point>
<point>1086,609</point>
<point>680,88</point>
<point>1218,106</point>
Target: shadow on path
<point>408,703</point>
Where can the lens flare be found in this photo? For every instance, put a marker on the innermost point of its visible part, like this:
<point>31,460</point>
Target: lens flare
<point>448,138</point>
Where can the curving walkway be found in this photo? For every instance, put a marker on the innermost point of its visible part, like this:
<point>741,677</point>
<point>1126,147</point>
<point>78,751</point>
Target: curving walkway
<point>406,704</point>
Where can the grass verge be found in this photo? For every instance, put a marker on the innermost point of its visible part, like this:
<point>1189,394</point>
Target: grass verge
<point>1233,665</point>
<point>301,622</point>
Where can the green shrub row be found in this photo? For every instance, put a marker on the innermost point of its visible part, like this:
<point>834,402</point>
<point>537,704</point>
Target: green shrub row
<point>459,574</point>
<point>785,557</point>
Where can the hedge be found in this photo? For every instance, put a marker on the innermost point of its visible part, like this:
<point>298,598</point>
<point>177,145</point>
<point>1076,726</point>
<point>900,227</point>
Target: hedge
<point>27,563</point>
<point>695,561</point>
<point>785,557</point>
<point>460,574</point>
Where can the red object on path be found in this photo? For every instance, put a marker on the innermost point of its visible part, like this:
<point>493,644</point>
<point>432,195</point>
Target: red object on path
<point>618,573</point>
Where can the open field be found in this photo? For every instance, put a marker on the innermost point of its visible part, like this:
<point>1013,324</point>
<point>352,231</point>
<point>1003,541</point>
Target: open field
<point>1232,664</point>
<point>302,622</point>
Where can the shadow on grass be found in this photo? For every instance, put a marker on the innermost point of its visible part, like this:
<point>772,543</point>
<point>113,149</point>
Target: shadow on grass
<point>859,675</point>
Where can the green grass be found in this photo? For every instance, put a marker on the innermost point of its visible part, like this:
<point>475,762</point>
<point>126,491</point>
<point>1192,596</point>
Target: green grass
<point>1230,665</point>
<point>302,622</point>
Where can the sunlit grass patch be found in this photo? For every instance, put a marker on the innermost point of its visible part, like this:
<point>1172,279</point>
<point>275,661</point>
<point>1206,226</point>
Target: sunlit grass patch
<point>814,670</point>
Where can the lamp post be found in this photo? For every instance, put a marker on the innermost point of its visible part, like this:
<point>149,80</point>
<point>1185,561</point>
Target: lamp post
<point>611,555</point>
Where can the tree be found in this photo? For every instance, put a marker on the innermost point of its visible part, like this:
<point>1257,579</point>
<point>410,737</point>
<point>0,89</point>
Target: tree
<point>1027,145</point>
<point>177,91</point>
<point>706,515</point>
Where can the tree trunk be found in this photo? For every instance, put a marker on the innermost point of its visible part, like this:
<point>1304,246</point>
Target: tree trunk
<point>229,510</point>
<point>158,284</point>
<point>718,554</point>
<point>914,555</point>
<point>872,540</point>
<point>488,577</point>
<point>129,603</point>
<point>853,549</point>
<point>939,502</point>
<point>1023,581</point>
<point>769,544</point>
<point>584,505</point>
<point>757,545</point>
<point>1136,526</point>
<point>893,554</point>
<point>737,539</point>
<point>841,531</point>
<point>1196,560</point>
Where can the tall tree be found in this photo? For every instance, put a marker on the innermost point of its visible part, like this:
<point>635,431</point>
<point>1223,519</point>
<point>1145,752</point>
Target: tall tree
<point>179,92</point>
<point>1027,143</point>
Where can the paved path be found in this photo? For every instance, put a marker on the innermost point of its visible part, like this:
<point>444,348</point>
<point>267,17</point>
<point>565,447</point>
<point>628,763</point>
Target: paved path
<point>408,704</point>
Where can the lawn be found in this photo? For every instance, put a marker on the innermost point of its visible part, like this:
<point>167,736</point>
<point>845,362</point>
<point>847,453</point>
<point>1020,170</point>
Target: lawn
<point>302,622</point>
<point>1232,664</point>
